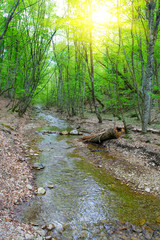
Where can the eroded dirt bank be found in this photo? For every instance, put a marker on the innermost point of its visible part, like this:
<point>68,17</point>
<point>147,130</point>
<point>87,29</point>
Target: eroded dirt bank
<point>16,179</point>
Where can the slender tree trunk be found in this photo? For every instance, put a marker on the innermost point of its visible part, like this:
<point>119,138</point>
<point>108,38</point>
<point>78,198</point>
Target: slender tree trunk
<point>153,17</point>
<point>92,84</point>
<point>156,68</point>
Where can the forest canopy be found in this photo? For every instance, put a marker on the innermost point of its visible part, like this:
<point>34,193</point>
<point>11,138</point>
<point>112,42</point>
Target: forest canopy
<point>75,54</point>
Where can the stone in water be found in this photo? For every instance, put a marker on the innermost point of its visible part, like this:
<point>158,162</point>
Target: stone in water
<point>41,191</point>
<point>74,132</point>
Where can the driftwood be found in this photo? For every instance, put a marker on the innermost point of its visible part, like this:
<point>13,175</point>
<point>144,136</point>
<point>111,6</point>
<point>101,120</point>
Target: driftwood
<point>111,133</point>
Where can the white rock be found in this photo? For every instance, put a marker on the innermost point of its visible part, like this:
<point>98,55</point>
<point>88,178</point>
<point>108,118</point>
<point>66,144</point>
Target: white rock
<point>41,191</point>
<point>64,133</point>
<point>80,133</point>
<point>59,227</point>
<point>74,132</point>
<point>29,186</point>
<point>50,227</point>
<point>147,189</point>
<point>48,238</point>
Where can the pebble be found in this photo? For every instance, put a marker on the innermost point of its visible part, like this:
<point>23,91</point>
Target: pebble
<point>50,227</point>
<point>48,237</point>
<point>74,132</point>
<point>64,133</point>
<point>41,191</point>
<point>59,227</point>
<point>147,189</point>
<point>38,166</point>
<point>29,186</point>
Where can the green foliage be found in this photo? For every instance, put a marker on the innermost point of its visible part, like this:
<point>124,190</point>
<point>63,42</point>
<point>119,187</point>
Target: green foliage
<point>37,67</point>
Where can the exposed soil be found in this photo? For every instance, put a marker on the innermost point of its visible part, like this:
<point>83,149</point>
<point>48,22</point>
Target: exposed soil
<point>134,159</point>
<point>15,172</point>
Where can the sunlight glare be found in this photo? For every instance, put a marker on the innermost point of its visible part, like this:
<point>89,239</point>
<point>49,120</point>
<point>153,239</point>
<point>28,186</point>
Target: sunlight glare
<point>102,15</point>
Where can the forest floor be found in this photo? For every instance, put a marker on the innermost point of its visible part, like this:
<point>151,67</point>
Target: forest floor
<point>134,159</point>
<point>16,178</point>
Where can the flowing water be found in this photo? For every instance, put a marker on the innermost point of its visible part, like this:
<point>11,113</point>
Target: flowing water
<point>83,199</point>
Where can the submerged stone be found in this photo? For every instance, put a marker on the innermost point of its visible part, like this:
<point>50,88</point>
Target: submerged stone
<point>41,191</point>
<point>38,166</point>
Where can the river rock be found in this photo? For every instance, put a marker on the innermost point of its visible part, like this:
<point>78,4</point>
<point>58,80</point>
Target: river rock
<point>50,186</point>
<point>48,237</point>
<point>41,191</point>
<point>64,133</point>
<point>29,186</point>
<point>38,166</point>
<point>74,132</point>
<point>59,227</point>
<point>147,189</point>
<point>50,227</point>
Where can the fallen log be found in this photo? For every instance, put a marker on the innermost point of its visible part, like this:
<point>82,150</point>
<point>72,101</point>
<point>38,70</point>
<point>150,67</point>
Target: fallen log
<point>111,133</point>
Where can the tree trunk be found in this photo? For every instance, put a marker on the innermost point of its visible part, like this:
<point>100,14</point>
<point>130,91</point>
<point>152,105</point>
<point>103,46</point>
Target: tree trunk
<point>111,133</point>
<point>153,17</point>
<point>147,82</point>
<point>92,83</point>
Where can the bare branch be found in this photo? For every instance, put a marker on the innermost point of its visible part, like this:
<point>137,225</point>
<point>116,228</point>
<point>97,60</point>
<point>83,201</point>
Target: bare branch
<point>9,20</point>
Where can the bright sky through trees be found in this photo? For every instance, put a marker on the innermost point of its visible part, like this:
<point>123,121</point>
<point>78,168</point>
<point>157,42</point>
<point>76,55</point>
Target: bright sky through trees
<point>60,7</point>
<point>102,13</point>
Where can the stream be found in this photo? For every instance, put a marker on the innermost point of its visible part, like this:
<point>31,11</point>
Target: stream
<point>85,202</point>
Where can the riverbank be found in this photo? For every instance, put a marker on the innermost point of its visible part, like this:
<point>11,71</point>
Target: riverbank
<point>16,173</point>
